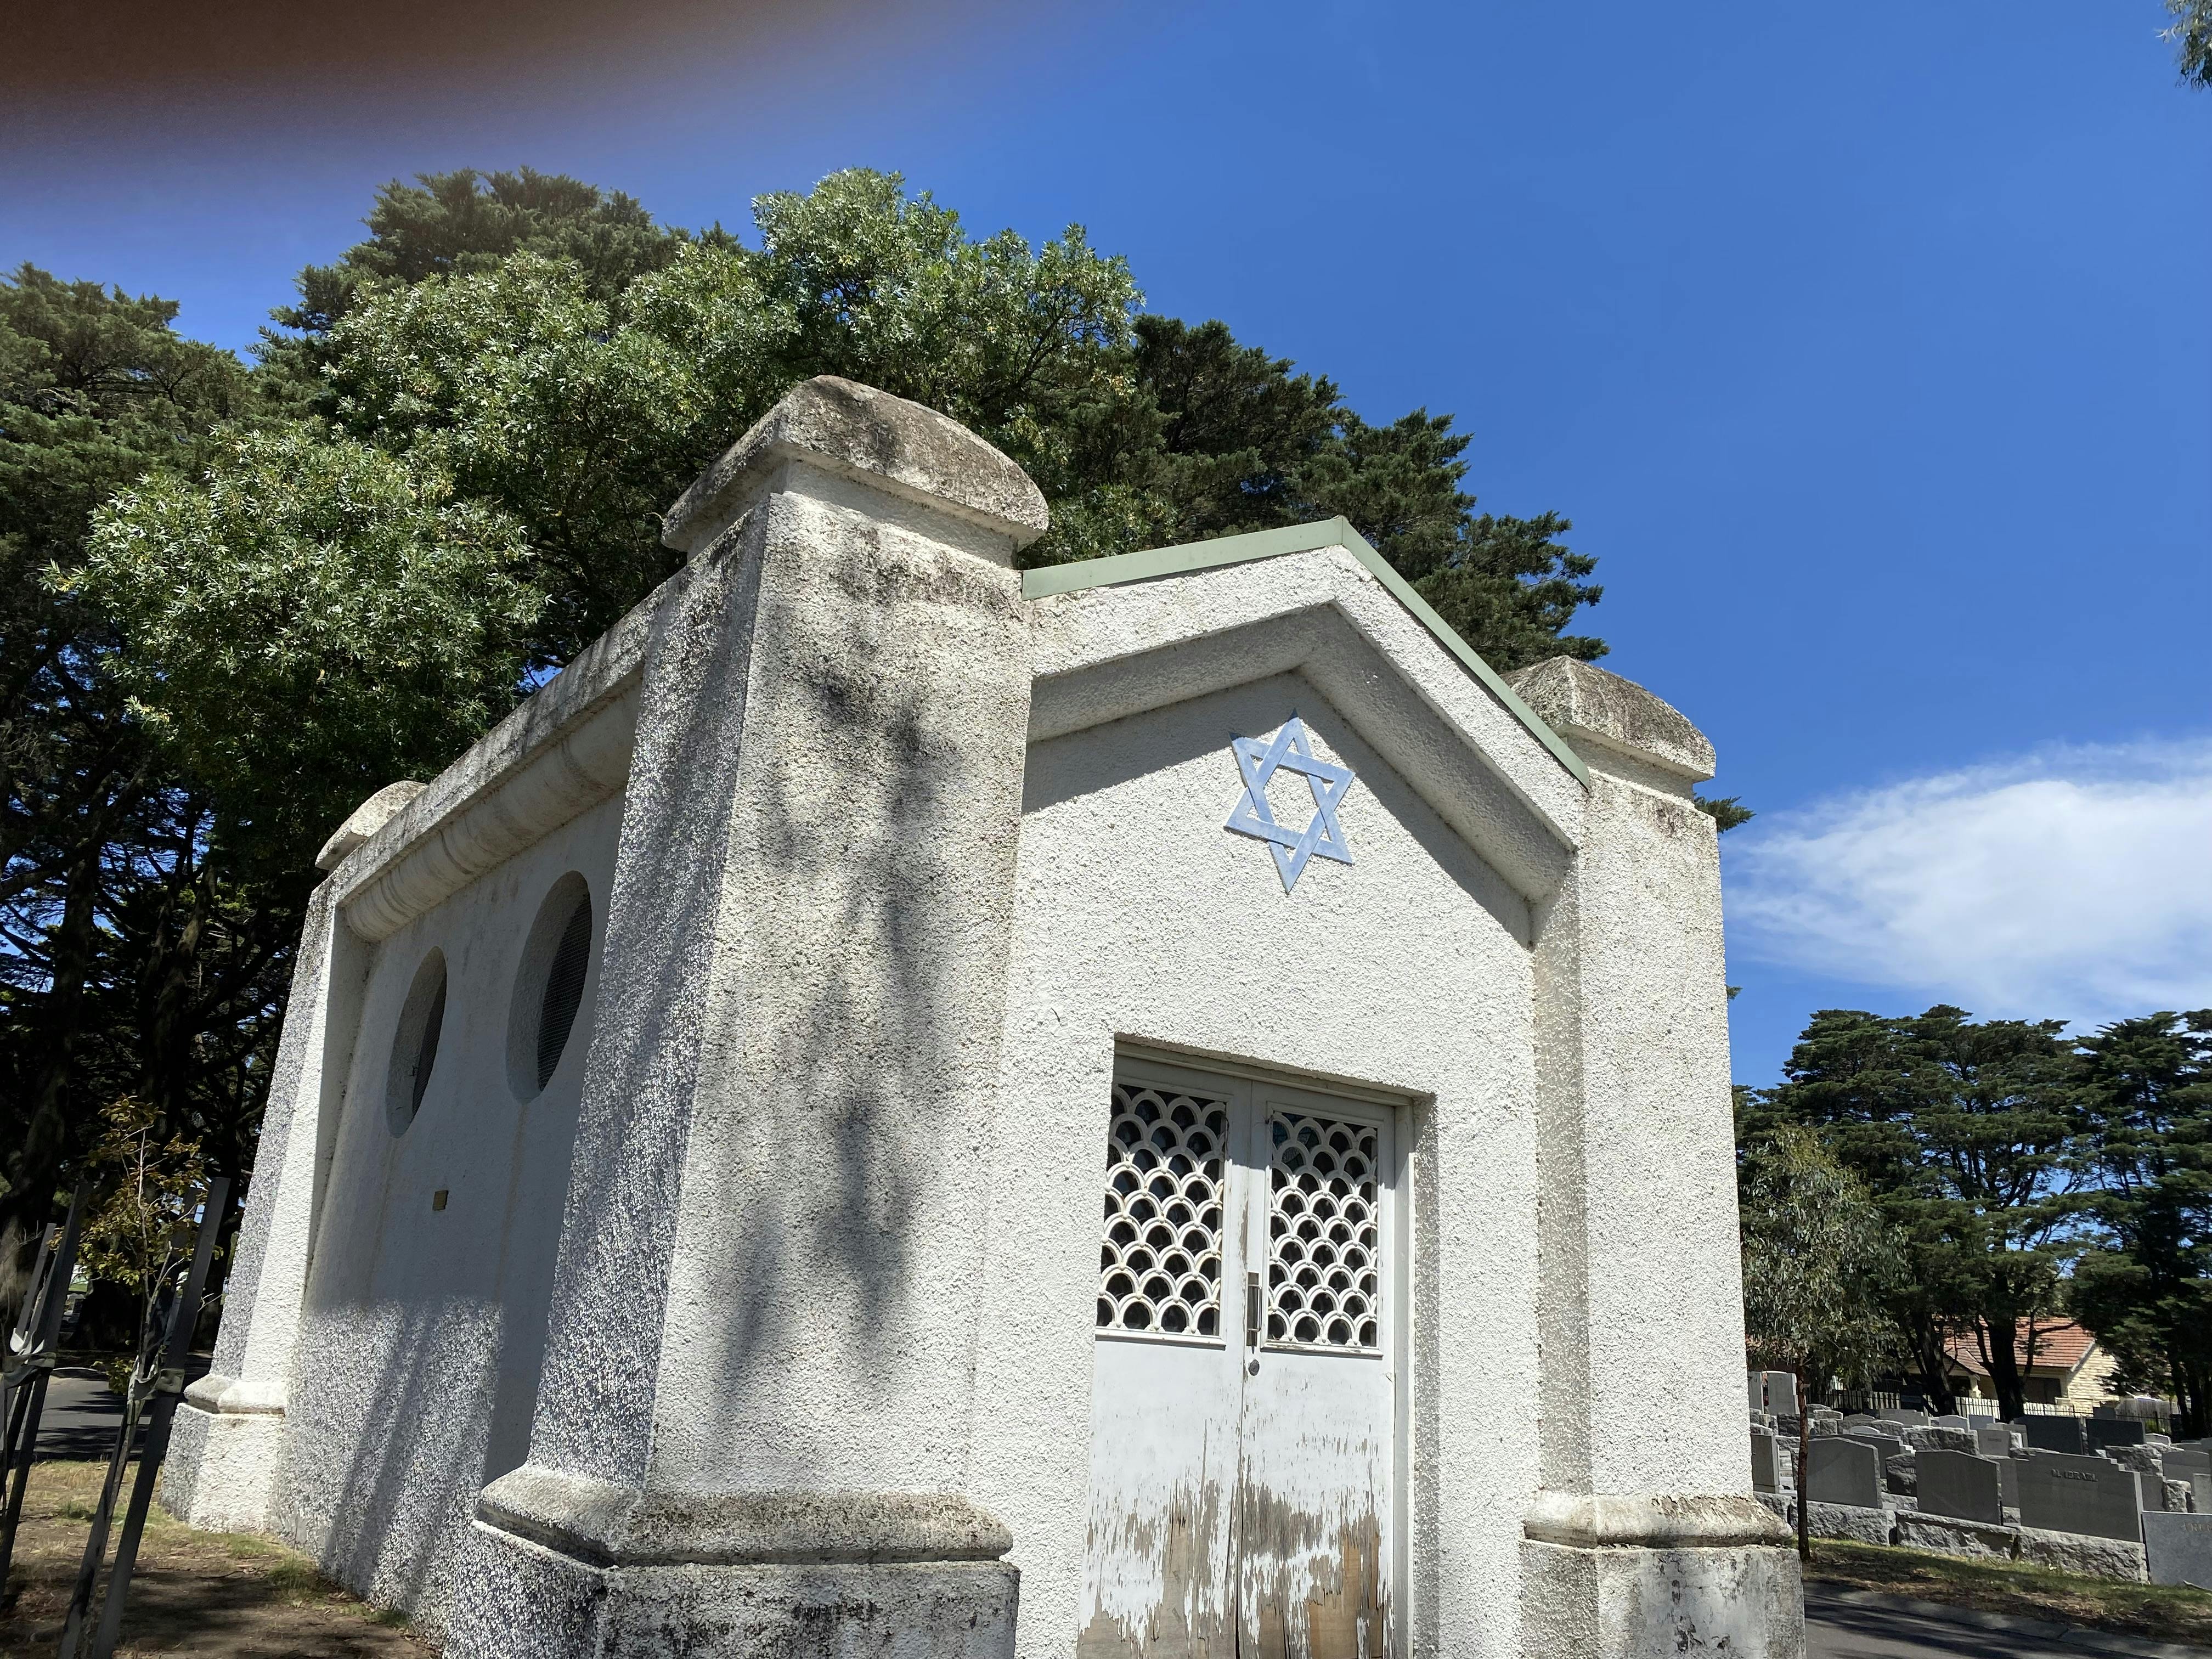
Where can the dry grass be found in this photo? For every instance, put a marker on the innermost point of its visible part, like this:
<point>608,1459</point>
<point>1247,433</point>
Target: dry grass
<point>201,1593</point>
<point>2153,1610</point>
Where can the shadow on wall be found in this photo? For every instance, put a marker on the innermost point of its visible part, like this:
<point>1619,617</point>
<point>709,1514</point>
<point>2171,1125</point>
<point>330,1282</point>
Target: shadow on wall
<point>858,1144</point>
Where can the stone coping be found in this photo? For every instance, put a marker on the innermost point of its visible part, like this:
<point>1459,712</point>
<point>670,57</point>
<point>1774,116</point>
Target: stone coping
<point>1659,1521</point>
<point>609,1525</point>
<point>236,1396</point>
<point>858,432</point>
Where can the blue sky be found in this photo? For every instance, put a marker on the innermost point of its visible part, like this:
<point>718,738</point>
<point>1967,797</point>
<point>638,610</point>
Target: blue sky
<point>1868,350</point>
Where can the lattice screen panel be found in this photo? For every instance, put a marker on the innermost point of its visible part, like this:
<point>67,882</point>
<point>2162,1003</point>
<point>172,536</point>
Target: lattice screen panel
<point>1324,1231</point>
<point>1159,1267</point>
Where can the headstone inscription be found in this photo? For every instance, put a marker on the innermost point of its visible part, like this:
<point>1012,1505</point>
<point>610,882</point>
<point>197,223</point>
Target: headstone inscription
<point>1993,1441</point>
<point>1842,1469</point>
<point>1766,1466</point>
<point>2052,1434</point>
<point>2177,1548</point>
<point>2061,1492</point>
<point>1961,1485</point>
<point>2105,1431</point>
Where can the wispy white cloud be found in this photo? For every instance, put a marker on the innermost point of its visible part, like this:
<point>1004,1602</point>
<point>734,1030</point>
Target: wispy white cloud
<point>2071,883</point>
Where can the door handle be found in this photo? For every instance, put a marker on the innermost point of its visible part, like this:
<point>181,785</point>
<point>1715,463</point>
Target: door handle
<point>1251,1310</point>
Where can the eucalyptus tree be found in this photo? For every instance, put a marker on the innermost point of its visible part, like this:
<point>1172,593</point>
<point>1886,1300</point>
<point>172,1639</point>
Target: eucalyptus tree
<point>446,476</point>
<point>1818,1260</point>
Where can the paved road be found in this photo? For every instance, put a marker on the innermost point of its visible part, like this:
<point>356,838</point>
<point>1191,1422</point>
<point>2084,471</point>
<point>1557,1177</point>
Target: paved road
<point>1839,1630</point>
<point>81,1415</point>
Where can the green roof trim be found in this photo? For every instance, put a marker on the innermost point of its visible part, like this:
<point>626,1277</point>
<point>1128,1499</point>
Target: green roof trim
<point>1155,563</point>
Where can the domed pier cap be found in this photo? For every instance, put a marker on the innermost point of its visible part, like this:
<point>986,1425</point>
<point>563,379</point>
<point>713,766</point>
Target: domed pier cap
<point>365,820</point>
<point>1588,706</point>
<point>860,433</point>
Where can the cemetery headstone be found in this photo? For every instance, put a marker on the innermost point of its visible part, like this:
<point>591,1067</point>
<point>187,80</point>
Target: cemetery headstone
<point>1858,1419</point>
<point>1889,1444</point>
<point>1993,1441</point>
<point>1842,1469</point>
<point>2009,1481</point>
<point>1949,1422</point>
<point>2105,1431</point>
<point>1755,1384</point>
<point>2179,1465</point>
<point>2204,1484</point>
<point>1906,1415</point>
<point>2052,1434</point>
<point>1766,1467</point>
<point>2177,1549</point>
<point>1782,1393</point>
<point>2061,1492</point>
<point>1962,1485</point>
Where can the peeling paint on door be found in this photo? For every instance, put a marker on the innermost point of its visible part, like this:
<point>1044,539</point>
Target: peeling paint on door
<point>1241,1503</point>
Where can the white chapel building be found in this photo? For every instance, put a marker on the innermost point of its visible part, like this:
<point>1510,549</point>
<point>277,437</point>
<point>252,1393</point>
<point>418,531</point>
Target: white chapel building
<point>1153,1109</point>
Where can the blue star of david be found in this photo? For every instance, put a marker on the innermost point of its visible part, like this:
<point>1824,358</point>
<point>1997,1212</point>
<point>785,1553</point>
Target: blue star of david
<point>1290,750</point>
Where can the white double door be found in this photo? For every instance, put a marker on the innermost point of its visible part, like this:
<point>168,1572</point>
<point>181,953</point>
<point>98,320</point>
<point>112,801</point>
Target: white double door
<point>1244,1443</point>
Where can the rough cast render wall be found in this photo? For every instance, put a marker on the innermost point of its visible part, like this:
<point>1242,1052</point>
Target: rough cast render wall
<point>423,1329</point>
<point>831,1220</point>
<point>1142,917</point>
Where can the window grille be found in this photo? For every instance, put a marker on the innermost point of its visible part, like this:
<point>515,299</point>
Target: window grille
<point>1159,1266</point>
<point>1324,1233</point>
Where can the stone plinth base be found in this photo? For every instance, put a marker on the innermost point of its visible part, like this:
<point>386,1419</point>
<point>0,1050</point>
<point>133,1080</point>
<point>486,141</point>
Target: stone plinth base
<point>561,1567</point>
<point>1860,1525</point>
<point>1655,1578</point>
<point>2076,1552</point>
<point>222,1466</point>
<point>1949,1535</point>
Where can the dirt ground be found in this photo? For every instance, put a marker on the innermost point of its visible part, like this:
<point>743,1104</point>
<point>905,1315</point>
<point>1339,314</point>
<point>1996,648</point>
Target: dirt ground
<point>195,1593</point>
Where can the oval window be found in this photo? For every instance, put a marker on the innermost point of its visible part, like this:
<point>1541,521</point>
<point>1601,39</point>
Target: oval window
<point>548,992</point>
<point>415,1044</point>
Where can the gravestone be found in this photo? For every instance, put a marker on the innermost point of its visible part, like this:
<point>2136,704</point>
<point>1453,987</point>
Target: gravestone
<point>1754,1385</point>
<point>2052,1434</point>
<point>1961,1485</point>
<point>1993,1442</point>
<point>1844,1470</point>
<point>1949,1422</point>
<point>2105,1431</point>
<point>2009,1481</point>
<point>1765,1465</point>
<point>2061,1492</point>
<point>2204,1484</point>
<point>1888,1444</point>
<point>1781,1394</point>
<point>2179,1465</point>
<point>1906,1415</point>
<point>1858,1419</point>
<point>2177,1549</point>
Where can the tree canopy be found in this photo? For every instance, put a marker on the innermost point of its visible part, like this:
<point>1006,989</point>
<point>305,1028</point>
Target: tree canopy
<point>1964,1132</point>
<point>238,599</point>
<point>2027,1177</point>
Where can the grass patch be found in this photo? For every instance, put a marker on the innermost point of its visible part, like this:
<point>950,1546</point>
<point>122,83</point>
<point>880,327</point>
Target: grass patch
<point>197,1595</point>
<point>2161,1612</point>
